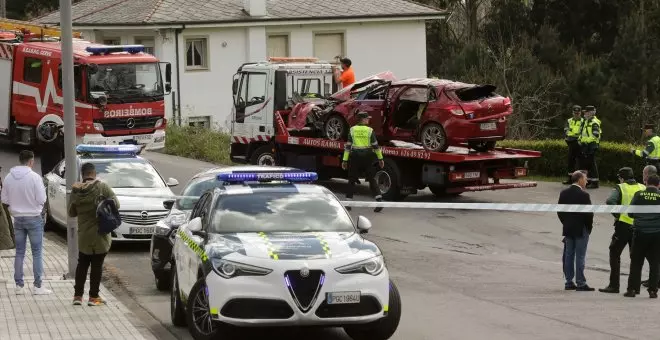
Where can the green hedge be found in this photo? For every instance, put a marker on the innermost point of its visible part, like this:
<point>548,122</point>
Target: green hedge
<point>610,157</point>
<point>198,143</point>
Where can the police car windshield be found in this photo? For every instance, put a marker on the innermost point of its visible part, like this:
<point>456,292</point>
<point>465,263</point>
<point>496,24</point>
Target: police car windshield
<point>280,212</point>
<point>128,173</point>
<point>196,188</point>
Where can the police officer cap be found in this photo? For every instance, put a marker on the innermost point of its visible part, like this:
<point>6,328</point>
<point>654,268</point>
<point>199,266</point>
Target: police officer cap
<point>649,127</point>
<point>590,108</point>
<point>362,115</point>
<point>577,108</point>
<point>626,173</point>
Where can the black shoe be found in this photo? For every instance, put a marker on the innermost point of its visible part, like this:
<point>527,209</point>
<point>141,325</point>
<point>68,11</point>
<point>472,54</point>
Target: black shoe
<point>653,294</point>
<point>378,209</point>
<point>637,291</point>
<point>609,289</point>
<point>629,293</point>
<point>645,283</point>
<point>584,288</point>
<point>570,286</point>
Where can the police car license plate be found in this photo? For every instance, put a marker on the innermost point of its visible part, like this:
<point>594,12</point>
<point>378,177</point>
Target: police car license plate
<point>488,126</point>
<point>142,230</point>
<point>341,298</point>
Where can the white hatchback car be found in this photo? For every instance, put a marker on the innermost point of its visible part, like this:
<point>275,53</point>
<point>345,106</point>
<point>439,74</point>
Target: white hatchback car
<point>264,250</point>
<point>130,176</point>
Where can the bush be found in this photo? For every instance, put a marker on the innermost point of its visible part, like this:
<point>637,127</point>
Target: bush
<point>609,158</point>
<point>198,143</point>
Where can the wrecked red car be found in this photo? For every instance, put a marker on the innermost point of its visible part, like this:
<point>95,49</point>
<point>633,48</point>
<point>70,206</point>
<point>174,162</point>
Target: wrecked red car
<point>435,113</point>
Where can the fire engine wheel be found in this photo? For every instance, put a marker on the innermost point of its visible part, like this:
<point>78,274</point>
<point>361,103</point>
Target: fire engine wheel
<point>434,138</point>
<point>482,146</point>
<point>263,156</point>
<point>388,181</point>
<point>336,128</point>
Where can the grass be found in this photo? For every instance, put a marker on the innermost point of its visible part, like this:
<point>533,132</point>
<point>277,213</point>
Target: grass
<point>198,143</point>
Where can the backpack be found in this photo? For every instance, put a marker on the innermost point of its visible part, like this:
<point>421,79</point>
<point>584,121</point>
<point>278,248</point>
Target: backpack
<point>108,216</point>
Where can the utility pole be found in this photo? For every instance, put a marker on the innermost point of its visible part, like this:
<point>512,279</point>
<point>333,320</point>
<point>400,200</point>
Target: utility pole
<point>69,128</point>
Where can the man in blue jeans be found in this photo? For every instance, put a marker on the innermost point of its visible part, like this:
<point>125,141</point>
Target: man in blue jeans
<point>24,192</point>
<point>576,230</point>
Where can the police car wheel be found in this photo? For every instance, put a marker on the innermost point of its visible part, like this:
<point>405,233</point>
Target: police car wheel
<point>177,312</point>
<point>384,328</point>
<point>198,314</point>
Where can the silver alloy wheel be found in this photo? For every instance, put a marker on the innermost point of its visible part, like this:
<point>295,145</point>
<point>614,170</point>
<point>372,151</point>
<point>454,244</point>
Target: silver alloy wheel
<point>383,180</point>
<point>432,137</point>
<point>334,128</point>
<point>201,313</point>
<point>266,159</point>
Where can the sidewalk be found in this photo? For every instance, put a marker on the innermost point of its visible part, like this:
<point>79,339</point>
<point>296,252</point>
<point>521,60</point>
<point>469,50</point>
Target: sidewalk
<point>53,316</point>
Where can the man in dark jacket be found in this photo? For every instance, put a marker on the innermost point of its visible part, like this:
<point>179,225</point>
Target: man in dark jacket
<point>92,246</point>
<point>623,229</point>
<point>576,230</point>
<point>646,240</point>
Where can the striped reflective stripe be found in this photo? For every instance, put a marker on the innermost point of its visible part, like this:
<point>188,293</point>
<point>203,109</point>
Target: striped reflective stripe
<point>269,246</point>
<point>324,244</point>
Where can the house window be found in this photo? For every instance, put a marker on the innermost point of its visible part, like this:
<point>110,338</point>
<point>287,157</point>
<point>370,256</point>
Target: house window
<point>196,53</point>
<point>327,46</point>
<point>148,44</point>
<point>33,70</point>
<point>200,122</point>
<point>278,46</point>
<point>112,41</point>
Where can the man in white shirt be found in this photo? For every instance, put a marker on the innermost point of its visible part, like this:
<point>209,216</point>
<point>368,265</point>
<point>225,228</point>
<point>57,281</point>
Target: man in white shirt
<point>24,192</point>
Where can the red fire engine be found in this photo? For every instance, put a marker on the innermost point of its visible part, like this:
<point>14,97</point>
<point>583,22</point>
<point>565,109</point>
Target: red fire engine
<point>119,90</point>
<point>264,95</point>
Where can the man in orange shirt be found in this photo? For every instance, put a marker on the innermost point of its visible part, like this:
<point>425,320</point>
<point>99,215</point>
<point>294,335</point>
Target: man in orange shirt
<point>347,76</point>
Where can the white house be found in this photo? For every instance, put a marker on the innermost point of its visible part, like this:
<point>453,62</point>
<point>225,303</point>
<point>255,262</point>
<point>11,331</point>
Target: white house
<point>207,40</point>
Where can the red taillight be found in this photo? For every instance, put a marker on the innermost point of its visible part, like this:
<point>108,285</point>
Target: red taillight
<point>456,110</point>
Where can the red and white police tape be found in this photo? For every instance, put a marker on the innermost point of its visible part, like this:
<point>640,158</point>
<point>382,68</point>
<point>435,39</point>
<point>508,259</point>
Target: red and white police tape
<point>519,207</point>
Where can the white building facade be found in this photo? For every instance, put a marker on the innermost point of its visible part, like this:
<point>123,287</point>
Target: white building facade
<point>205,56</point>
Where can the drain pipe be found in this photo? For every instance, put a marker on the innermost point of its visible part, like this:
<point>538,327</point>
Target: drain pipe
<point>178,72</point>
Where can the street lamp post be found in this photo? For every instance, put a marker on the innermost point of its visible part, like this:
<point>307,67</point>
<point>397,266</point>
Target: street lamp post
<point>69,127</point>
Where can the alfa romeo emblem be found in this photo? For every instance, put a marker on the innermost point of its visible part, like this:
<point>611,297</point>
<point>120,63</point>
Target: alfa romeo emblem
<point>130,123</point>
<point>144,215</point>
<point>304,272</point>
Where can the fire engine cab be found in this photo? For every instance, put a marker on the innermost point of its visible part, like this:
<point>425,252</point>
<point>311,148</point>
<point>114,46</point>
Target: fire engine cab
<point>119,90</point>
<point>265,94</point>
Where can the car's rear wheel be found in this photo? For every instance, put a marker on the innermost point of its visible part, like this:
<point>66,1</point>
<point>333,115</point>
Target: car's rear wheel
<point>200,323</point>
<point>336,128</point>
<point>434,138</point>
<point>384,328</point>
<point>162,280</point>
<point>177,311</point>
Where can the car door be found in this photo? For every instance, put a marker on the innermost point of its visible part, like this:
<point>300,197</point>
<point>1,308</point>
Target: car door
<point>405,109</point>
<point>200,242</point>
<point>185,255</point>
<point>373,102</point>
<point>56,192</point>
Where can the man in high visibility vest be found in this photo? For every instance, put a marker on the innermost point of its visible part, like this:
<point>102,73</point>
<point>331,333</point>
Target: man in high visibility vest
<point>589,140</point>
<point>652,151</point>
<point>623,225</point>
<point>360,148</point>
<point>572,132</point>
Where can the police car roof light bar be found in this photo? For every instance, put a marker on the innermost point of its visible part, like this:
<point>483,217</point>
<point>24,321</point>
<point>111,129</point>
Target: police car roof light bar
<point>109,149</point>
<point>107,49</point>
<point>294,176</point>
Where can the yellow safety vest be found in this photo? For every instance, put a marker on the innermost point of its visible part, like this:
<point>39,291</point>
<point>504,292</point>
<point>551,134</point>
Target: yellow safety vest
<point>656,151</point>
<point>574,126</point>
<point>587,135</point>
<point>361,139</point>
<point>627,193</point>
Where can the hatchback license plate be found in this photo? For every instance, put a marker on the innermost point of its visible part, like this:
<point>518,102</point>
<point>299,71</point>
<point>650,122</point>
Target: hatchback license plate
<point>341,298</point>
<point>142,230</point>
<point>472,174</point>
<point>488,126</point>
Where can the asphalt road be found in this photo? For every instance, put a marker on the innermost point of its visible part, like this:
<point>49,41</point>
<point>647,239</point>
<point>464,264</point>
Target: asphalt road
<point>462,274</point>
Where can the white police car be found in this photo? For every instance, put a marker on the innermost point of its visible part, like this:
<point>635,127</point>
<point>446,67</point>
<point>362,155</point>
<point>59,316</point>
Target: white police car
<point>265,251</point>
<point>130,176</point>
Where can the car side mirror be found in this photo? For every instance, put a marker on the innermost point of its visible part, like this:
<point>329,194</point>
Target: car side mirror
<point>195,225</point>
<point>363,224</point>
<point>168,204</point>
<point>172,182</point>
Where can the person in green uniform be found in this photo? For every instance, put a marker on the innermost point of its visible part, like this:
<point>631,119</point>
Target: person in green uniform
<point>589,140</point>
<point>623,225</point>
<point>572,133</point>
<point>652,151</point>
<point>358,157</point>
